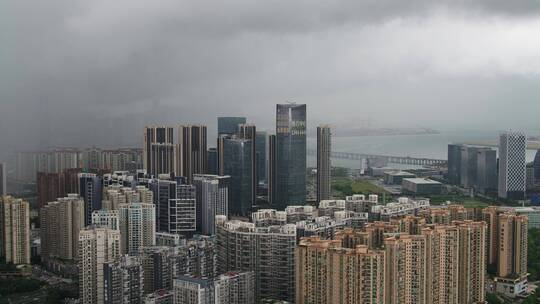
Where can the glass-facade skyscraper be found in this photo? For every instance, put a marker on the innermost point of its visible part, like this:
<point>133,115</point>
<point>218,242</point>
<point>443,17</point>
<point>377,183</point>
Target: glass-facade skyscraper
<point>536,165</point>
<point>229,125</point>
<point>272,176</point>
<point>324,167</point>
<point>90,189</point>
<point>290,154</point>
<point>454,163</point>
<point>472,167</point>
<point>260,147</point>
<point>238,164</point>
<point>249,131</point>
<point>212,163</point>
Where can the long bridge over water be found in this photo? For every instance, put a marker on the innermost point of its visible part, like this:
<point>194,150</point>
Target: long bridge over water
<point>405,160</point>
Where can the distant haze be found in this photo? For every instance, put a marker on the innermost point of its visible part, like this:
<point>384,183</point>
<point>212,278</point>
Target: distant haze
<point>83,73</point>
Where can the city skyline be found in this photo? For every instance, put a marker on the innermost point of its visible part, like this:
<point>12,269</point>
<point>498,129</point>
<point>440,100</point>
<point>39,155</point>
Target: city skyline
<point>256,152</point>
<point>322,55</point>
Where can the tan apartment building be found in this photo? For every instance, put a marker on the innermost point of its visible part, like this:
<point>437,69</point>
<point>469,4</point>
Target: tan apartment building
<point>329,273</point>
<point>14,230</point>
<point>61,222</point>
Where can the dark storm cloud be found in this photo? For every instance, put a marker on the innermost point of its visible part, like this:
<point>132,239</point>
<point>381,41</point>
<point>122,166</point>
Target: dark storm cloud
<point>94,72</point>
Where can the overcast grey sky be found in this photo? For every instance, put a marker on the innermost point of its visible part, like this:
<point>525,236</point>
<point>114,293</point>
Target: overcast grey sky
<point>79,72</point>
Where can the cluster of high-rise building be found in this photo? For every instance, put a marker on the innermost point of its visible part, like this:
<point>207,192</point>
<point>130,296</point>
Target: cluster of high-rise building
<point>242,154</point>
<point>435,264</point>
<point>478,167</point>
<point>29,164</point>
<point>127,223</point>
<point>178,222</point>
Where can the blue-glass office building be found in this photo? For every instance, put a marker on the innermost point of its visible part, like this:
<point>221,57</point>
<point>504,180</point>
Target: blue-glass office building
<point>290,155</point>
<point>237,163</point>
<point>229,125</point>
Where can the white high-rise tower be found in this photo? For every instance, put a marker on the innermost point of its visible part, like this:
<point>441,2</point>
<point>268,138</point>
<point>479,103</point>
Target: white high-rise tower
<point>512,165</point>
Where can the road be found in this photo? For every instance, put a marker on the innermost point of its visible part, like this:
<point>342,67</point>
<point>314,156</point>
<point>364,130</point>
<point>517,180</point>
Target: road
<point>40,295</point>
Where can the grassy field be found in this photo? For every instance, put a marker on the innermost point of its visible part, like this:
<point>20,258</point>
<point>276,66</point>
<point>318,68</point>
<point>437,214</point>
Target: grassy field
<point>458,199</point>
<point>344,186</point>
<point>365,187</point>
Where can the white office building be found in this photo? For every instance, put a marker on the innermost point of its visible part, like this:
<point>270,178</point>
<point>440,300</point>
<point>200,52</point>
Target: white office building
<point>512,165</point>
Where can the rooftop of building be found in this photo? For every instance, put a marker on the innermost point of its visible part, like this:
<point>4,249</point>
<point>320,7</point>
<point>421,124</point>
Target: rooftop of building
<point>526,209</point>
<point>399,173</point>
<point>419,180</point>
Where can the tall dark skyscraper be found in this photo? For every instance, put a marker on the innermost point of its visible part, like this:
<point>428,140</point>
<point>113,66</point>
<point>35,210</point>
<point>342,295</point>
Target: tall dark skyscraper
<point>237,157</point>
<point>272,183</point>
<point>536,165</point>
<point>472,167</point>
<point>191,151</point>
<point>454,163</point>
<point>324,148</point>
<point>260,147</point>
<point>486,170</point>
<point>158,152</point>
<point>290,154</point>
<point>249,131</point>
<point>468,165</point>
<point>212,164</point>
<point>229,125</point>
<point>90,189</point>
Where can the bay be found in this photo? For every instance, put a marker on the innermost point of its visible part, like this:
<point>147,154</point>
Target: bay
<point>421,145</point>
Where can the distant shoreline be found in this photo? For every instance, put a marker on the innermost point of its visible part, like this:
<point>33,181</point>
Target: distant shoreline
<point>531,145</point>
<point>382,132</point>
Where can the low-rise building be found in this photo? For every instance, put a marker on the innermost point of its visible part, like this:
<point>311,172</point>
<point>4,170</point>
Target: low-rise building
<point>396,177</point>
<point>359,202</point>
<point>235,288</point>
<point>191,290</point>
<point>328,207</point>
<point>300,213</point>
<point>161,296</point>
<point>403,206</point>
<point>532,213</point>
<point>323,226</point>
<point>421,186</point>
<point>269,217</point>
<point>169,239</point>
